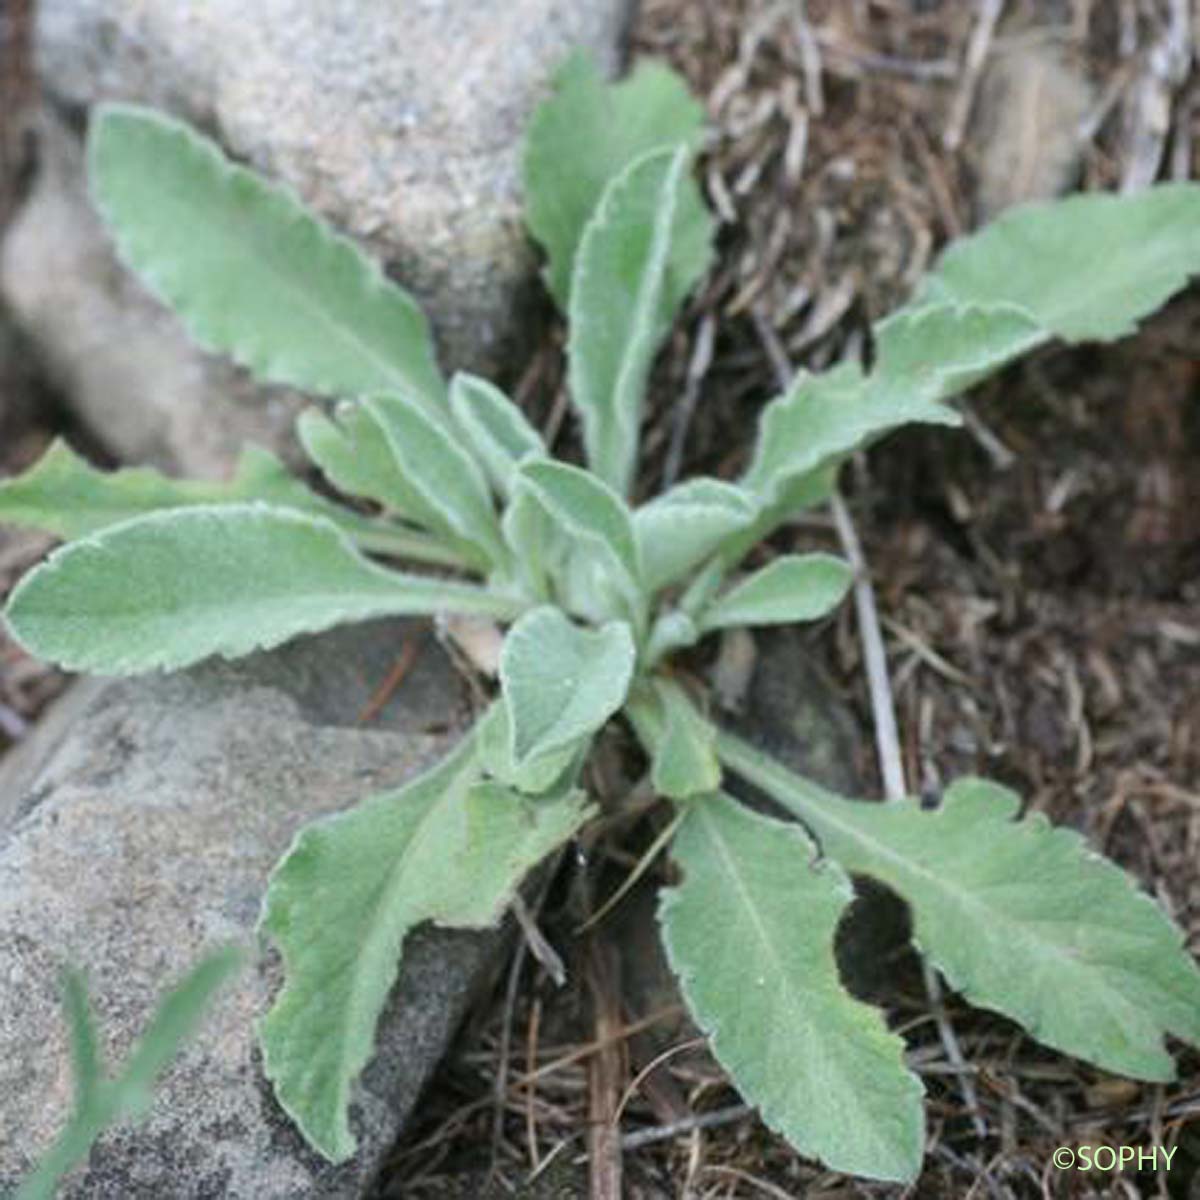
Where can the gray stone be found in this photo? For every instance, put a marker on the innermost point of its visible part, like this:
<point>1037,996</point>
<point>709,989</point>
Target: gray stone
<point>399,123</point>
<point>139,828</point>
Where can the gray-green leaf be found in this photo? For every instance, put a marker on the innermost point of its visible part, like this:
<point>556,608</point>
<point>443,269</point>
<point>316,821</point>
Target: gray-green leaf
<point>590,522</point>
<point>445,848</point>
<point>640,254</point>
<point>1086,268</point>
<point>680,742</point>
<point>1017,914</point>
<point>795,587</point>
<point>585,134</point>
<point>447,479</point>
<point>535,775</point>
<point>560,682</point>
<point>750,934</point>
<point>939,350</point>
<point>499,433</point>
<point>826,417</point>
<point>249,269</point>
<point>169,589</point>
<point>681,528</point>
<point>65,495</point>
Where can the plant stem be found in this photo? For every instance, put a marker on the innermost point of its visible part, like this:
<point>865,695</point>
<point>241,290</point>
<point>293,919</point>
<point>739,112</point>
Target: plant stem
<point>405,543</point>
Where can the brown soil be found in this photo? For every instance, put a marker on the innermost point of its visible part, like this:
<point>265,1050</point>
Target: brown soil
<point>1041,616</point>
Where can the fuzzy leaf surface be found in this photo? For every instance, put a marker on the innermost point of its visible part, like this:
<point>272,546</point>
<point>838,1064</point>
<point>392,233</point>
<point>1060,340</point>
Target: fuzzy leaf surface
<point>750,934</point>
<point>591,529</point>
<point>826,417</point>
<point>640,254</point>
<point>1016,913</point>
<point>352,451</point>
<point>171,588</point>
<point>1086,268</point>
<point>560,682</point>
<point>588,132</point>
<point>680,742</point>
<point>499,433</point>
<point>537,774</point>
<point>795,587</point>
<point>447,479</point>
<point>65,495</point>
<point>941,349</point>
<point>446,848</point>
<point>251,272</point>
<point>681,528</point>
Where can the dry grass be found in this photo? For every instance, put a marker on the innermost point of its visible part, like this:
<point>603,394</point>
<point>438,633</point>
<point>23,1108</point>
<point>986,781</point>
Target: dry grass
<point>1041,617</point>
<point>1038,584</point>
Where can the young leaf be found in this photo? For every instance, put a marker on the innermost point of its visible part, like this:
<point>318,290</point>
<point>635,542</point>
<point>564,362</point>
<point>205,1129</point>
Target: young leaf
<point>445,848</point>
<point>640,254</point>
<point>1086,268</point>
<point>795,587</point>
<point>1015,913</point>
<point>537,774</point>
<point>826,417</point>
<point>681,528</point>
<point>680,742</point>
<point>445,477</point>
<point>750,934</point>
<point>561,683</point>
<point>499,433</point>
<point>169,589</point>
<point>585,134</point>
<point>353,452</point>
<point>100,1103</point>
<point>251,272</point>
<point>588,516</point>
<point>942,349</point>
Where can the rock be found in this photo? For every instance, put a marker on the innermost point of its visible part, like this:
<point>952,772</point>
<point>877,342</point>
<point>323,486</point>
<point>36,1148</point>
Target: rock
<point>400,124</point>
<point>138,829</point>
<point>1032,104</point>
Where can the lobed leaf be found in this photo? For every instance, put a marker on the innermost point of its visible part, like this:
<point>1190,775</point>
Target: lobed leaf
<point>824,418</point>
<point>1086,268</point>
<point>251,272</point>
<point>942,349</point>
<point>794,587</point>
<point>171,588</point>
<point>640,254</point>
<point>750,934</point>
<point>1017,914</point>
<point>687,524</point>
<point>499,434</point>
<point>561,683</point>
<point>446,848</point>
<point>588,132</point>
<point>65,495</point>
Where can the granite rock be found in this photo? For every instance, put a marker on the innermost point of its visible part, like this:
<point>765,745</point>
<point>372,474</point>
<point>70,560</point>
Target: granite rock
<point>400,124</point>
<point>137,828</point>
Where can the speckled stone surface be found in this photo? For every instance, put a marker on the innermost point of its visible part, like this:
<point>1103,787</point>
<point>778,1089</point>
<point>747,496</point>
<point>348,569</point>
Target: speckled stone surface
<point>137,830</point>
<point>401,124</point>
